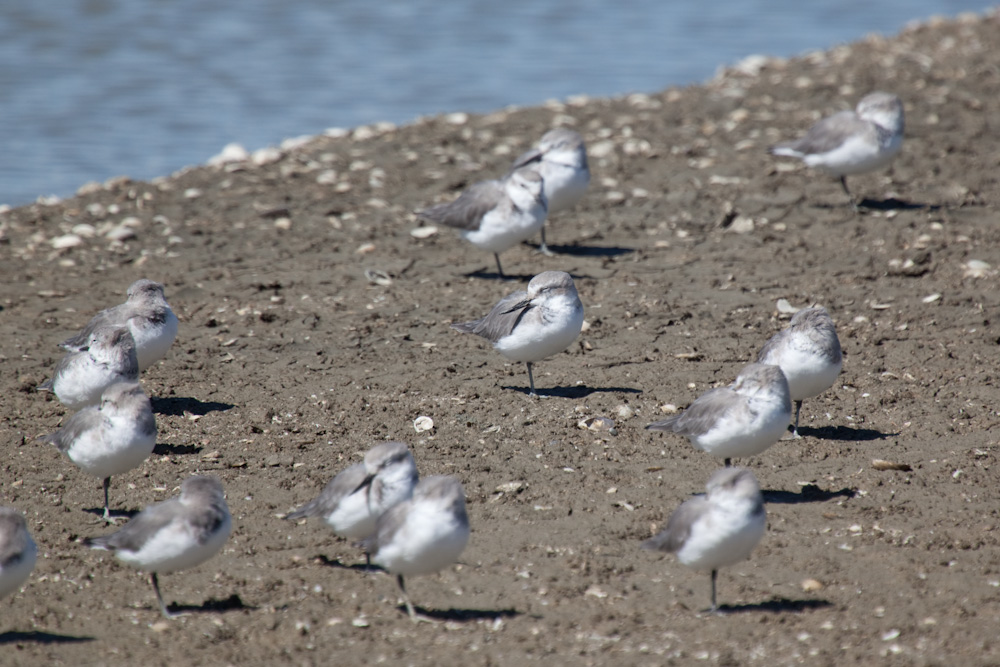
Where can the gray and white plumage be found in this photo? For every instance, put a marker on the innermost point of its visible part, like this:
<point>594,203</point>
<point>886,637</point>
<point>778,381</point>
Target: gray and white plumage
<point>81,377</point>
<point>560,158</point>
<point>112,438</point>
<point>739,420</point>
<point>852,142</point>
<point>421,535</point>
<point>148,317</point>
<point>496,215</point>
<point>176,534</point>
<point>535,324</point>
<point>18,552</point>
<point>718,529</point>
<point>808,352</point>
<point>354,499</point>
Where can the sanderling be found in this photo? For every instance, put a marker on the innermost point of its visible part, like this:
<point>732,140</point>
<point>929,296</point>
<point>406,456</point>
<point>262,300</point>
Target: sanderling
<point>148,317</point>
<point>808,352</point>
<point>81,377</point>
<point>421,535</point>
<point>496,215</point>
<point>742,419</point>
<point>353,501</point>
<point>533,325</point>
<point>717,529</point>
<point>173,535</point>
<point>112,438</point>
<point>17,551</point>
<point>561,160</point>
<point>852,142</point>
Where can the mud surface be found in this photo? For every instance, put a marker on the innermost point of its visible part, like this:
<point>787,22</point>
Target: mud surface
<point>291,362</point>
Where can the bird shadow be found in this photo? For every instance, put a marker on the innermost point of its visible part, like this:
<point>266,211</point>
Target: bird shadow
<point>844,433</point>
<point>493,275</point>
<point>211,606</point>
<point>775,606</point>
<point>340,565</point>
<point>893,204</point>
<point>165,449</point>
<point>178,405</point>
<point>40,637</point>
<point>576,391</point>
<point>462,615</point>
<point>587,250</point>
<point>810,493</point>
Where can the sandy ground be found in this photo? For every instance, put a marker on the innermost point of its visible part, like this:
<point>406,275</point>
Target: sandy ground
<point>290,363</point>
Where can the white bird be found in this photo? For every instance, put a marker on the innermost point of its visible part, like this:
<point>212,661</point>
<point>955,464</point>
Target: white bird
<point>353,501</point>
<point>81,377</point>
<point>176,534</point>
<point>717,529</point>
<point>561,160</point>
<point>533,325</point>
<point>17,551</point>
<point>852,142</point>
<point>740,420</point>
<point>112,438</point>
<point>421,535</point>
<point>496,215</point>
<point>148,317</point>
<point>809,354</point>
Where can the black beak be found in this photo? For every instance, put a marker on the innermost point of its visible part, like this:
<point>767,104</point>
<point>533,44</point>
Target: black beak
<point>365,482</point>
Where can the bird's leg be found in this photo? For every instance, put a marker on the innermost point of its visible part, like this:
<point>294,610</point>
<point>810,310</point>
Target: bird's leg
<point>854,204</point>
<point>715,607</point>
<point>414,616</point>
<point>496,256</point>
<point>107,512</point>
<point>159,598</point>
<point>531,380</point>
<point>544,249</point>
<point>798,408</point>
<point>727,462</point>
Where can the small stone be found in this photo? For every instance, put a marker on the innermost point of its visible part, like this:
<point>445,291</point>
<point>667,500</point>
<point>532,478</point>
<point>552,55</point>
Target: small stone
<point>120,233</point>
<point>66,241</point>
<point>625,412</point>
<point>811,585</point>
<point>424,232</point>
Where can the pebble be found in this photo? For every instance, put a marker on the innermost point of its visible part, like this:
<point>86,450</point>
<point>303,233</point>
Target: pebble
<point>424,232</point>
<point>423,423</point>
<point>624,412</point>
<point>66,241</point>
<point>265,156</point>
<point>233,152</point>
<point>120,233</point>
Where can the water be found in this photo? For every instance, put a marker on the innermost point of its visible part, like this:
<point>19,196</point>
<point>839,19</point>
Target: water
<point>91,89</point>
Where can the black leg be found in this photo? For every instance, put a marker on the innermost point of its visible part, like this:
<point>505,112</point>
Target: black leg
<point>544,249</point>
<point>798,408</point>
<point>159,598</point>
<point>715,573</point>
<point>728,462</point>
<point>107,512</point>
<point>499,268</point>
<point>531,379</point>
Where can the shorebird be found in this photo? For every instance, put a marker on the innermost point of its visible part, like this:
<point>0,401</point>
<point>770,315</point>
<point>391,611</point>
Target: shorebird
<point>496,215</point>
<point>81,377</point>
<point>109,439</point>
<point>148,317</point>
<point>17,551</point>
<point>742,419</point>
<point>852,142</point>
<point>808,352</point>
<point>717,529</point>
<point>421,535</point>
<point>533,325</point>
<point>560,158</point>
<point>353,501</point>
<point>176,534</point>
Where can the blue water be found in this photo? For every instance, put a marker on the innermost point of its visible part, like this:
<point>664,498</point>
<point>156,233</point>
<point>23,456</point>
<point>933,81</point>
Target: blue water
<point>96,88</point>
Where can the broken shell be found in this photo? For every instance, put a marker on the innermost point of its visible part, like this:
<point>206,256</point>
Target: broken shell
<point>597,424</point>
<point>378,277</point>
<point>424,232</point>
<point>421,424</point>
